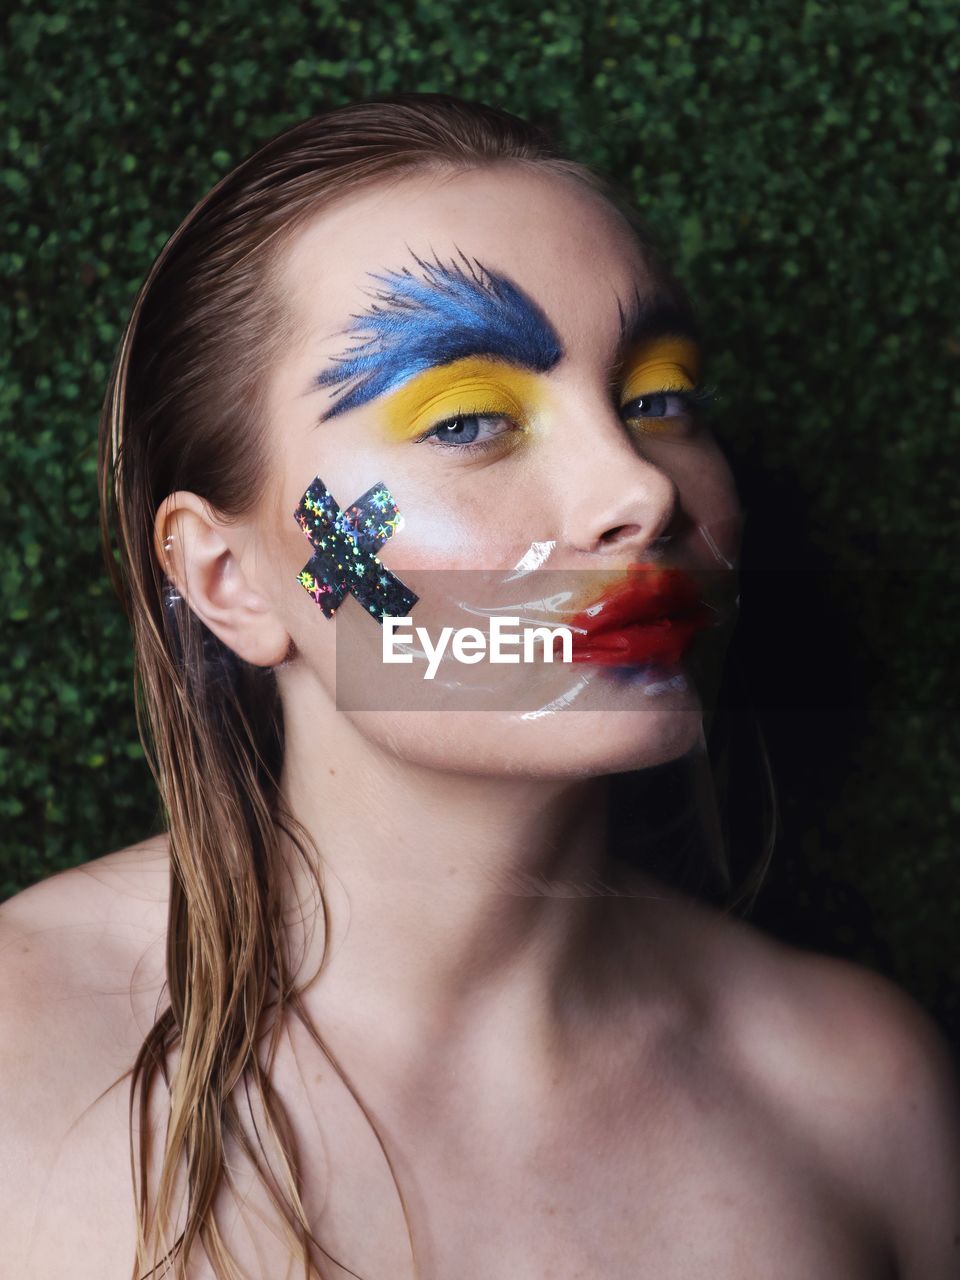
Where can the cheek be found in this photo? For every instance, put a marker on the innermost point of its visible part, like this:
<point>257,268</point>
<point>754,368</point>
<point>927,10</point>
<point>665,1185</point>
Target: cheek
<point>449,516</point>
<point>708,495</point>
<point>465,523</point>
<point>420,554</point>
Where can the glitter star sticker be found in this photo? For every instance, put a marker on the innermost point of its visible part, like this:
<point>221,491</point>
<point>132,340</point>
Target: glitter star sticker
<point>345,543</point>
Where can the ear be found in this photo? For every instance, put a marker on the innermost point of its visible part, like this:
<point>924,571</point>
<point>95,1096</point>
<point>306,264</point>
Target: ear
<point>201,554</point>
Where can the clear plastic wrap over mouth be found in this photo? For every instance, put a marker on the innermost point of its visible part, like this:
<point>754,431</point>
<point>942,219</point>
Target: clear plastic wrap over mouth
<point>641,625</point>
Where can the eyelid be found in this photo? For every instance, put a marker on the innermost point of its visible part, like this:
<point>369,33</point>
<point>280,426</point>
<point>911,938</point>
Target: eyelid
<point>489,386</point>
<point>485,401</point>
<point>662,380</point>
<point>666,364</point>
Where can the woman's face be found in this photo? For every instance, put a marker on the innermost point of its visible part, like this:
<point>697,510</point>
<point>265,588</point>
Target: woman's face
<point>483,363</point>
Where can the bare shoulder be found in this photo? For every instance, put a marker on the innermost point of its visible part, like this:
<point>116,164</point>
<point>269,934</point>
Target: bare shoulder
<point>883,1093</point>
<point>81,974</point>
<point>860,1072</point>
<point>126,885</point>
<point>88,931</point>
<point>75,944</point>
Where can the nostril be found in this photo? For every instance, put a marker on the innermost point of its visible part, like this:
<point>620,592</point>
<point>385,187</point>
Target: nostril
<point>621,533</point>
<point>600,520</point>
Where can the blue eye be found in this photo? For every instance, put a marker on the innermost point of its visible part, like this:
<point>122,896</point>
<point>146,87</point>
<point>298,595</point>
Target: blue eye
<point>655,406</point>
<point>654,403</point>
<point>652,409</point>
<point>468,431</point>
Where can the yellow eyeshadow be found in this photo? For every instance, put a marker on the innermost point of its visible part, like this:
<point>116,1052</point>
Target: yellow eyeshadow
<point>666,362</point>
<point>476,384</point>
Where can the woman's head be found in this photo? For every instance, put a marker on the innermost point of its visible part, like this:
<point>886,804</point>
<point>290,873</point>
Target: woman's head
<point>470,273</point>
<point>238,396</point>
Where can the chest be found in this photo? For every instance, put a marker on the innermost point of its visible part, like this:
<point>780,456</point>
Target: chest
<point>686,1184</point>
<point>691,1181</point>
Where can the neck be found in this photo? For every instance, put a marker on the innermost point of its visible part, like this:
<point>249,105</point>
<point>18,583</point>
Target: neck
<point>465,913</point>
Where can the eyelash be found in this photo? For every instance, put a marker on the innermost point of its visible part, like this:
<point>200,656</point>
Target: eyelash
<point>696,400</point>
<point>479,446</point>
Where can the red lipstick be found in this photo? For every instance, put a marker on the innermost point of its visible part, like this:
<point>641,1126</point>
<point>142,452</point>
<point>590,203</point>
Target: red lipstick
<point>651,617</point>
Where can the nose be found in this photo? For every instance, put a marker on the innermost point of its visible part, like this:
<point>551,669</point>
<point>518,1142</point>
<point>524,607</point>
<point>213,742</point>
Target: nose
<point>622,503</point>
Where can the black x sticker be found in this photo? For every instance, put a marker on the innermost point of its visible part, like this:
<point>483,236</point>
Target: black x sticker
<point>345,544</point>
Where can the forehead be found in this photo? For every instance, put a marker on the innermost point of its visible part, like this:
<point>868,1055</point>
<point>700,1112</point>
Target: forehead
<point>557,239</point>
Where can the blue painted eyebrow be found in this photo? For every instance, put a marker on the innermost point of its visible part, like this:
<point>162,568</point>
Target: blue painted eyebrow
<point>449,314</point>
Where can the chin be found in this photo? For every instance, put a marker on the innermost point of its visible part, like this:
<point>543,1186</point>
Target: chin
<point>612,726</point>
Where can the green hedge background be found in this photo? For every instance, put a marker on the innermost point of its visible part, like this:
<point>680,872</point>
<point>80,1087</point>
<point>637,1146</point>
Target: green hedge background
<point>799,167</point>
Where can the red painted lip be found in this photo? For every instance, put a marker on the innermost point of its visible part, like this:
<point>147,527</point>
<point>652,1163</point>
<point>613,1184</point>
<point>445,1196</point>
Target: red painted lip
<point>652,616</point>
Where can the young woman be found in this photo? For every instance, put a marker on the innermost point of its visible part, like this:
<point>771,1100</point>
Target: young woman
<point>385,1002</point>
